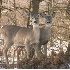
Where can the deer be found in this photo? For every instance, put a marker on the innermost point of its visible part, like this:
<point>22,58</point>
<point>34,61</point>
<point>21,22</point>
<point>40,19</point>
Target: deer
<point>28,37</point>
<point>16,35</point>
<point>45,32</point>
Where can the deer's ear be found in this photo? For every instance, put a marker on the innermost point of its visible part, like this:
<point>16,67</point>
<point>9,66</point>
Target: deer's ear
<point>36,16</point>
<point>43,14</point>
<point>53,14</point>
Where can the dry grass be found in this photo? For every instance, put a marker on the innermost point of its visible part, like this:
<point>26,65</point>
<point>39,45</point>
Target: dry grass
<point>54,62</point>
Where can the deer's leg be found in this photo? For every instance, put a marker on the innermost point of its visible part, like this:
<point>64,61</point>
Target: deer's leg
<point>37,53</point>
<point>45,49</point>
<point>7,45</point>
<point>18,53</point>
<point>32,51</point>
<point>5,49</point>
<point>28,50</point>
<point>39,48</point>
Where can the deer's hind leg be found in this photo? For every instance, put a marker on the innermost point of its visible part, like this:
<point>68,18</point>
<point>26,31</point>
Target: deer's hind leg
<point>7,45</point>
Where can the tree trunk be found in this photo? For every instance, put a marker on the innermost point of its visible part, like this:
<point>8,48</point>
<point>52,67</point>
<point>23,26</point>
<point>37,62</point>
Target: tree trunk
<point>0,7</point>
<point>35,6</point>
<point>68,10</point>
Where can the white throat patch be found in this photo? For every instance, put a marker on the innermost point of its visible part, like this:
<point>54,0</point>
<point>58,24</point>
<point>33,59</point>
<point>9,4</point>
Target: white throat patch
<point>48,24</point>
<point>35,25</point>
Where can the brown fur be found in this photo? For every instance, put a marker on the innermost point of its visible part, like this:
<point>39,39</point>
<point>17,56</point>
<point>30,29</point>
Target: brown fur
<point>26,36</point>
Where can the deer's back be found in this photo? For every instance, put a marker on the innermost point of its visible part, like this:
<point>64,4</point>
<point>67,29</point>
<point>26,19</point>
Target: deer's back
<point>23,35</point>
<point>9,31</point>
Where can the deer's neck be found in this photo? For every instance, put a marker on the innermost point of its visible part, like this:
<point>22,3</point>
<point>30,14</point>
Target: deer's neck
<point>36,32</point>
<point>48,30</point>
<point>36,28</point>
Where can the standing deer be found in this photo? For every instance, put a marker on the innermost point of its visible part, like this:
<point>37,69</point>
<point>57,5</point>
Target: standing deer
<point>45,32</point>
<point>16,35</point>
<point>28,37</point>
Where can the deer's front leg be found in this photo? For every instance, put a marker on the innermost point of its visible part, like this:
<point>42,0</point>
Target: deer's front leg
<point>5,49</point>
<point>37,52</point>
<point>45,49</point>
<point>39,48</point>
<point>27,47</point>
